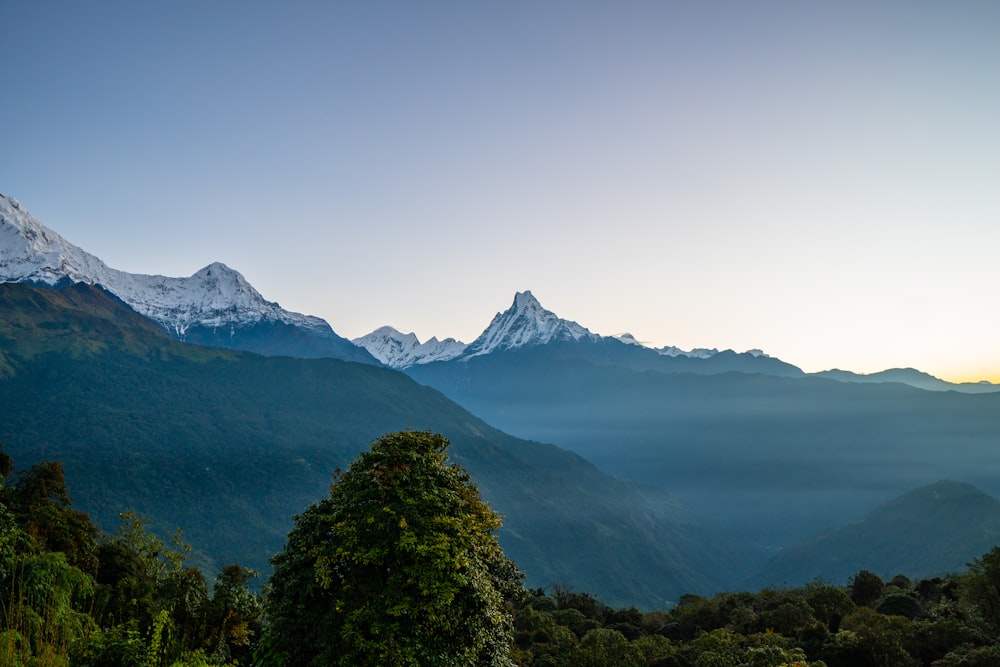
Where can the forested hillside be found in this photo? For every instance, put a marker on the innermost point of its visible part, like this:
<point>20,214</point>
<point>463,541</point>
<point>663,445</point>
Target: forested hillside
<point>75,596</point>
<point>231,445</point>
<point>929,531</point>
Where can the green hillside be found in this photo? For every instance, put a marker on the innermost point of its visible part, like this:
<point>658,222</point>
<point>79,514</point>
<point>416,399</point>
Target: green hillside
<point>230,445</point>
<point>934,530</point>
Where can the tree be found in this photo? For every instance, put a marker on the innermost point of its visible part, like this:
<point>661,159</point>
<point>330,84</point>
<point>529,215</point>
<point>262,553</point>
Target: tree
<point>866,588</point>
<point>982,585</point>
<point>40,503</point>
<point>829,603</point>
<point>602,647</point>
<point>234,614</point>
<point>399,565</point>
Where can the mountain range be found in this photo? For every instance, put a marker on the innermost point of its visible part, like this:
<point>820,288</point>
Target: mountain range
<point>218,307</point>
<point>230,445</point>
<point>97,369</point>
<point>526,324</point>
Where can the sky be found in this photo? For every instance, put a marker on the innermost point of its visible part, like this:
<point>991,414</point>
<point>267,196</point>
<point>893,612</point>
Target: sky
<point>815,179</point>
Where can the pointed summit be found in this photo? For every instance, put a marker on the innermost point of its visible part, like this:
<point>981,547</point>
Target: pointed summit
<point>30,252</point>
<point>525,323</point>
<point>217,300</point>
<point>398,350</point>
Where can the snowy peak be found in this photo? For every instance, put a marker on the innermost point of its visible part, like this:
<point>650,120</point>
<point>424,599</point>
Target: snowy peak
<point>390,346</point>
<point>526,323</point>
<point>696,353</point>
<point>31,252</point>
<point>398,350</point>
<point>214,297</point>
<point>218,287</point>
<point>218,273</point>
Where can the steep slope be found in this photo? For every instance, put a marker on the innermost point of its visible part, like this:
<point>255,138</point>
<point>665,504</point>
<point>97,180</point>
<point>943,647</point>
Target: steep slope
<point>216,306</point>
<point>526,323</point>
<point>230,445</point>
<point>934,530</point>
<point>774,459</point>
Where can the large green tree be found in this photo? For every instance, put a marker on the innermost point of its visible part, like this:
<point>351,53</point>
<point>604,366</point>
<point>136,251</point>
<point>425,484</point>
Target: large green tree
<point>400,565</point>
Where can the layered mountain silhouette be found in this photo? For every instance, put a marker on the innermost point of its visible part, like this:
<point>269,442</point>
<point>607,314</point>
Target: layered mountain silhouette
<point>93,371</point>
<point>773,458</point>
<point>528,325</point>
<point>218,307</point>
<point>912,377</point>
<point>230,445</point>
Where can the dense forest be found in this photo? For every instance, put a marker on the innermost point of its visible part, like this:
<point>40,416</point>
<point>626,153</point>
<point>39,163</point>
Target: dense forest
<point>429,570</point>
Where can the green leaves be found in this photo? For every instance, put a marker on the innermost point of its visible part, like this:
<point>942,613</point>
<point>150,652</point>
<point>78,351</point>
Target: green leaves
<point>406,567</point>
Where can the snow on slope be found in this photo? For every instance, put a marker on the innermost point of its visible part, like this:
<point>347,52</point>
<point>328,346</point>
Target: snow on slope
<point>398,350</point>
<point>213,297</point>
<point>526,322</point>
<point>697,353</point>
<point>671,350</point>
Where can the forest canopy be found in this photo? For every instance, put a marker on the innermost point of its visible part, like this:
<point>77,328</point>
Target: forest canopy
<point>400,565</point>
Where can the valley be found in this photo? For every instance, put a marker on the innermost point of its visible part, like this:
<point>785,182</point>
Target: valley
<point>637,474</point>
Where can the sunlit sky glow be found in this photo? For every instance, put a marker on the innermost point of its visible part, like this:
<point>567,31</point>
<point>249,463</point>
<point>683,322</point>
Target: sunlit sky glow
<point>819,180</point>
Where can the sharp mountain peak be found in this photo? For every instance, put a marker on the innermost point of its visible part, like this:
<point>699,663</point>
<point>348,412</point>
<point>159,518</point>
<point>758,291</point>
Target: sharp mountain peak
<point>216,300</point>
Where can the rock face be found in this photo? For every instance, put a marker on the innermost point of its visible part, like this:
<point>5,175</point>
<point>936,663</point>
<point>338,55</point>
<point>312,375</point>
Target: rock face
<point>216,306</point>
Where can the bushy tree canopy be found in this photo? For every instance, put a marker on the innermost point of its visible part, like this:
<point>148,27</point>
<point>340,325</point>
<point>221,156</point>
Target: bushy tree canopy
<point>399,566</point>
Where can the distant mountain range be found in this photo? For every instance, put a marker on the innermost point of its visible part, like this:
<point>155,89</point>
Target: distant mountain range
<point>912,377</point>
<point>218,307</point>
<point>229,445</point>
<point>527,325</point>
<point>773,458</point>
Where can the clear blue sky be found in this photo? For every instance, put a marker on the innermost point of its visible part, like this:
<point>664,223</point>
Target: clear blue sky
<point>817,179</point>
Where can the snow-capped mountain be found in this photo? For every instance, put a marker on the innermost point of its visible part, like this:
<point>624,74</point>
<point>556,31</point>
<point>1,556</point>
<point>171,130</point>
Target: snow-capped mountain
<point>398,350</point>
<point>215,306</point>
<point>526,323</point>
<point>671,350</point>
<point>696,353</point>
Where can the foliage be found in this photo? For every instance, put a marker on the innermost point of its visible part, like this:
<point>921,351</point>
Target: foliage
<point>140,421</point>
<point>402,559</point>
<point>982,586</point>
<point>71,597</point>
<point>866,588</point>
<point>399,565</point>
